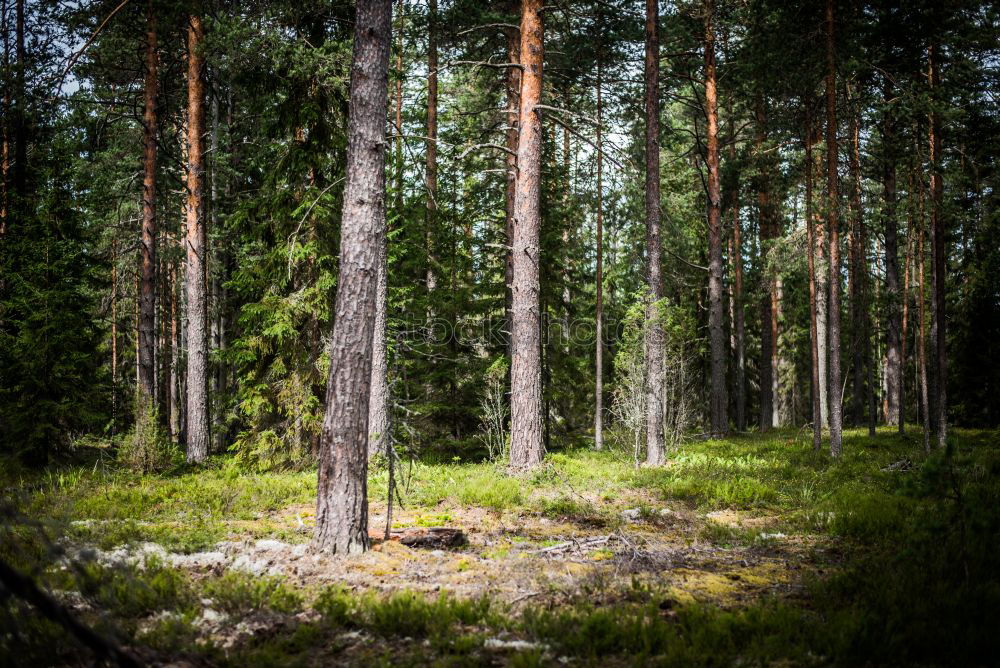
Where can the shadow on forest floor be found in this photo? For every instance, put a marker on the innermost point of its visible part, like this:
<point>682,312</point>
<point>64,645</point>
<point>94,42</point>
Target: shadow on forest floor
<point>753,548</point>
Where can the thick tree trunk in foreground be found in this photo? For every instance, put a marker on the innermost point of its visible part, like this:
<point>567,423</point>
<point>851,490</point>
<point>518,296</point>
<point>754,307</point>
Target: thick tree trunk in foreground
<point>525,373</point>
<point>430,169</point>
<point>655,447</point>
<point>342,492</point>
<point>766,303</point>
<point>147,246</point>
<point>196,278</point>
<point>599,287</point>
<point>719,398</point>
<point>835,395</point>
<point>817,414</point>
<point>939,399</point>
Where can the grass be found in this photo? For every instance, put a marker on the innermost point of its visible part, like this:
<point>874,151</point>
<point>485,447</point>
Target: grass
<point>915,556</point>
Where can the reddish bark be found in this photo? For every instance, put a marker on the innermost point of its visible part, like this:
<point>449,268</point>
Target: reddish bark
<point>196,247</point>
<point>525,375</point>
<point>147,246</point>
<point>719,399</point>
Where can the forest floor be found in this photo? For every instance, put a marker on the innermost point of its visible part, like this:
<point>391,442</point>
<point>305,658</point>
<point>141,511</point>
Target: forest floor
<point>754,549</point>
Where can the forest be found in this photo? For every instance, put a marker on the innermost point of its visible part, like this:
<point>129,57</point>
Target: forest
<point>514,332</point>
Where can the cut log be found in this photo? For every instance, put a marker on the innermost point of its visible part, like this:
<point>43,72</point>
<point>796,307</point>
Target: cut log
<point>424,537</point>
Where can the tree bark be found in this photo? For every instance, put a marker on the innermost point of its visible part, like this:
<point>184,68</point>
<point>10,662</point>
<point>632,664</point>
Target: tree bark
<point>766,302</point>
<point>196,275</point>
<point>922,326</point>
<point>175,357</point>
<point>5,126</point>
<point>599,282</point>
<point>719,398</point>
<point>834,392</point>
<point>817,414</point>
<point>147,246</point>
<point>342,492</point>
<point>430,174</point>
<point>525,376</point>
<point>939,405</point>
<point>894,361</point>
<point>655,446</point>
<point>378,406</point>
<point>906,295</point>
<point>20,120</point>
<point>855,280</point>
<point>736,299</point>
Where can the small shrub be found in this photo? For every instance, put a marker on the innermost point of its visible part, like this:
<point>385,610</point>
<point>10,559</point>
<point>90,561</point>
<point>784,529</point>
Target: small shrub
<point>146,449</point>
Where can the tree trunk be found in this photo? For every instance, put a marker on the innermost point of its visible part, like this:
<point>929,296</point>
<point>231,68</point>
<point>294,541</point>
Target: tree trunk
<point>378,406</point>
<point>736,299</point>
<point>655,447</point>
<point>342,492</point>
<point>5,126</point>
<point>939,406</point>
<point>175,357</point>
<point>147,246</point>
<point>719,398</point>
<point>766,304</point>
<point>513,96</point>
<point>855,280</point>
<point>894,362</point>
<point>599,282</point>
<point>834,393</point>
<point>907,287</point>
<point>822,298</point>
<point>525,375</point>
<point>430,175</point>
<point>922,325</point>
<point>20,120</point>
<point>195,279</point>
<point>817,414</point>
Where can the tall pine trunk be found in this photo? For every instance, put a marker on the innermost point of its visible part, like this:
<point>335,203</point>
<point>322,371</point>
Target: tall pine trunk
<point>817,414</point>
<point>719,398</point>
<point>342,491</point>
<point>655,447</point>
<point>599,281</point>
<point>925,408</point>
<point>856,269</point>
<point>835,395</point>
<point>147,246</point>
<point>196,275</point>
<point>737,315</point>
<point>939,399</point>
<point>894,357</point>
<point>378,407</point>
<point>525,374</point>
<point>766,303</point>
<point>430,166</point>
